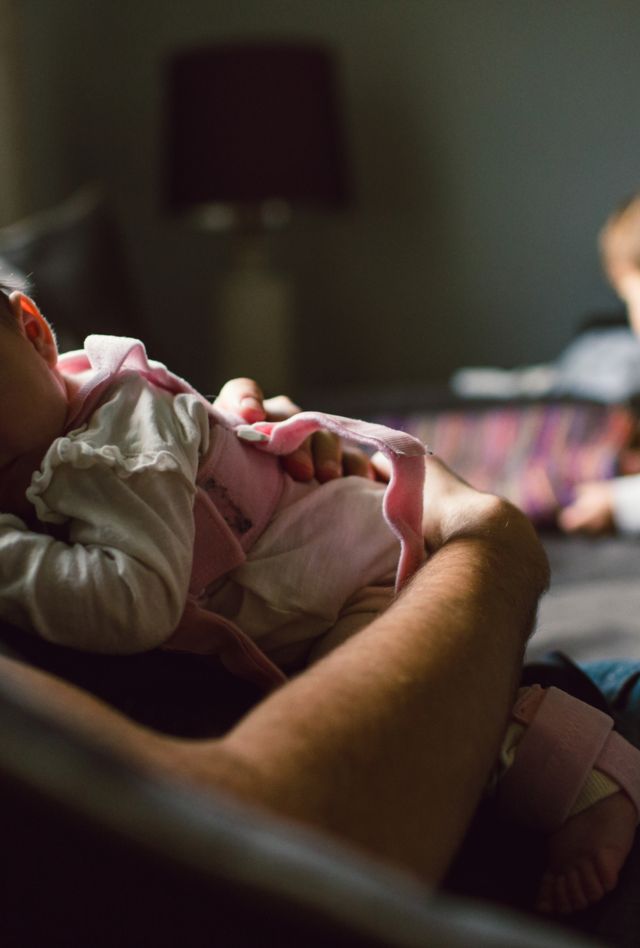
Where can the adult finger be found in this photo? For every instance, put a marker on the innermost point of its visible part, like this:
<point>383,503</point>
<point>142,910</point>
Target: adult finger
<point>242,397</point>
<point>299,464</point>
<point>356,463</point>
<point>326,450</point>
<point>280,407</point>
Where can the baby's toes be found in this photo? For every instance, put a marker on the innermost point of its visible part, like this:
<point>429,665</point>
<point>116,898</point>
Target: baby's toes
<point>562,896</point>
<point>554,896</point>
<point>608,862</point>
<point>591,883</point>
<point>546,893</point>
<point>575,890</point>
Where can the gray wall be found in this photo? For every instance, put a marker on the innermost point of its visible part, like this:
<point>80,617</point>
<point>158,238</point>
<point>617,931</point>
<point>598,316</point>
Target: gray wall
<point>488,140</point>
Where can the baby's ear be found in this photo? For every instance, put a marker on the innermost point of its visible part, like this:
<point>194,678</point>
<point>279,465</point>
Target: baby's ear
<point>34,327</point>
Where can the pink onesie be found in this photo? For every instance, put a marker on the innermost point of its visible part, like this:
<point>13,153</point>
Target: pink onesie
<point>239,484</point>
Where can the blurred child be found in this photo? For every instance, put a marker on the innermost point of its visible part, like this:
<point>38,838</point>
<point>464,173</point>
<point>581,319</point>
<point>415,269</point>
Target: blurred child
<point>601,506</point>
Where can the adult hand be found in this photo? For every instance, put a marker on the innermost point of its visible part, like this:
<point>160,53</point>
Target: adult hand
<point>453,507</point>
<point>322,456</point>
<point>591,511</point>
<point>454,510</point>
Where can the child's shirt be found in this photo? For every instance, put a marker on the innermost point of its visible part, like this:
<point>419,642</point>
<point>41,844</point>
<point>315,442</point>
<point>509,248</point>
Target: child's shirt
<point>626,503</point>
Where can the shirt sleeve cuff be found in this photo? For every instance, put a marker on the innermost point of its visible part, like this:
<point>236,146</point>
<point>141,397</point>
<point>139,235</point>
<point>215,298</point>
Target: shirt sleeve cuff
<point>626,503</point>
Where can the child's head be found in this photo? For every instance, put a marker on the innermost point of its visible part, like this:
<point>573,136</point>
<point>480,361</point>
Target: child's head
<point>33,396</point>
<point>620,252</point>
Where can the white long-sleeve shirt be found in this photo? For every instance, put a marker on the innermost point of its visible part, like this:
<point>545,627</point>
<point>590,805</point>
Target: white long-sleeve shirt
<point>118,580</point>
<point>626,503</point>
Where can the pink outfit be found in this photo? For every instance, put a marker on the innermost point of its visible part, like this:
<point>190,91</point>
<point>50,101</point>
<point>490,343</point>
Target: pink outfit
<point>565,740</point>
<point>226,527</point>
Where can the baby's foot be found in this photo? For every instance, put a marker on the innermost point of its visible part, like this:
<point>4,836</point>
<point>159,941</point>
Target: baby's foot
<point>586,854</point>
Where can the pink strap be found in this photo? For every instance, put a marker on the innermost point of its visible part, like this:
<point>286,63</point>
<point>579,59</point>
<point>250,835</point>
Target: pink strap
<point>527,703</point>
<point>553,760</point>
<point>105,357</point>
<point>216,550</point>
<point>620,760</point>
<point>207,633</point>
<point>402,506</point>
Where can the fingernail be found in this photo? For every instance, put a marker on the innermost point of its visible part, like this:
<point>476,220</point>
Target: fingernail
<point>247,433</point>
<point>251,409</point>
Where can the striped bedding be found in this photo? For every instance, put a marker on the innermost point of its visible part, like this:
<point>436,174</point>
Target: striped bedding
<point>534,454</point>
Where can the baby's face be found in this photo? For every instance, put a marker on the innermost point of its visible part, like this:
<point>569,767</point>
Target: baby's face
<point>33,408</point>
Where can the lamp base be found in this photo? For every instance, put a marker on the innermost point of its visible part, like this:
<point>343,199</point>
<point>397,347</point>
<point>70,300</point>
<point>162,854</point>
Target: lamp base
<point>255,320</point>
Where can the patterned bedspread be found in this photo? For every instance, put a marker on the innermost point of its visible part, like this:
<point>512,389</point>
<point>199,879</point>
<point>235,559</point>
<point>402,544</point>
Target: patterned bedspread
<point>534,453</point>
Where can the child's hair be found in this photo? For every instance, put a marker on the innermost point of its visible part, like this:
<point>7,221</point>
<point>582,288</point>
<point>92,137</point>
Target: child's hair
<point>619,239</point>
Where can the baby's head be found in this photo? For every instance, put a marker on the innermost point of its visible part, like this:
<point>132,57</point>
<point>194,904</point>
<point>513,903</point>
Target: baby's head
<point>33,396</point>
<point>620,252</point>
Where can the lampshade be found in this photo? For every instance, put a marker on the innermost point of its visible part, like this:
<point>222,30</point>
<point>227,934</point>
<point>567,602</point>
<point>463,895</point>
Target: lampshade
<point>253,123</point>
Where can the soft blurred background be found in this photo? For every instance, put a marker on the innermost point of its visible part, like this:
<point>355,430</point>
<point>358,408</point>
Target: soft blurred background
<point>486,141</point>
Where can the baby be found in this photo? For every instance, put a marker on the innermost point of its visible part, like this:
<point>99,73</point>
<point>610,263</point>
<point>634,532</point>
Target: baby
<point>136,515</point>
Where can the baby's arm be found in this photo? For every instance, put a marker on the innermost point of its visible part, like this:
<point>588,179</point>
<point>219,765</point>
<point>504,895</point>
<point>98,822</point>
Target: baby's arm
<point>120,583</point>
<point>600,506</point>
<point>122,490</point>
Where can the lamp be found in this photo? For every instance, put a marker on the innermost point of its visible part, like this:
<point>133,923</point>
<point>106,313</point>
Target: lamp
<point>254,132</point>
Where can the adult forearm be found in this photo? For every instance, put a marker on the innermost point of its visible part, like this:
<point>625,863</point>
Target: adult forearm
<point>388,741</point>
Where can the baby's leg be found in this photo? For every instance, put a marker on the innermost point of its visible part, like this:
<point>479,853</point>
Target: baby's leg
<point>359,610</point>
<point>586,854</point>
<point>587,851</point>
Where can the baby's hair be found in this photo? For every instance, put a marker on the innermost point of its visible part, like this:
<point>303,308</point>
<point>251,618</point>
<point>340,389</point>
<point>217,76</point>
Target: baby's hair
<point>619,239</point>
<point>6,315</point>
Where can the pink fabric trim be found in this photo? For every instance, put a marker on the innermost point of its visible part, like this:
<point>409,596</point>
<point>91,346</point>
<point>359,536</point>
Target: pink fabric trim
<point>553,760</point>
<point>216,550</point>
<point>105,357</point>
<point>527,703</point>
<point>207,633</point>
<point>246,485</point>
<point>403,500</point>
<point>620,760</point>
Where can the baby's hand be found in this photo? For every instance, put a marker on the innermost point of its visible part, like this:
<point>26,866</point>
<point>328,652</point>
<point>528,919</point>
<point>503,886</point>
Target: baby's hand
<point>322,456</point>
<point>591,511</point>
<point>242,397</point>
